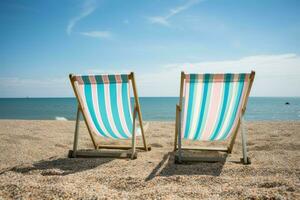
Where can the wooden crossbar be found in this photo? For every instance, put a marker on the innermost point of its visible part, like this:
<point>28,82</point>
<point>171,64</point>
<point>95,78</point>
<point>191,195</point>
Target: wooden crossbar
<point>121,147</point>
<point>99,153</point>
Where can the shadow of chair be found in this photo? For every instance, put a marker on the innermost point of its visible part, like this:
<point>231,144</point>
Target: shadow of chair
<point>61,166</point>
<point>167,167</point>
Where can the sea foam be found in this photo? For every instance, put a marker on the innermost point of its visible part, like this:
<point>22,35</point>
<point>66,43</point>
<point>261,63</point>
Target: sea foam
<point>61,118</point>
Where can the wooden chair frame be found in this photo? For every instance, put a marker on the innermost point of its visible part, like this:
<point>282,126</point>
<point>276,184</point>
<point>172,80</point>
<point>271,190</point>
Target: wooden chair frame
<point>178,143</point>
<point>96,152</point>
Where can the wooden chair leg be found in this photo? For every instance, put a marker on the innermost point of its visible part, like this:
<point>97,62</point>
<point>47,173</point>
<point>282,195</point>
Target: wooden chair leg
<point>233,138</point>
<point>137,104</point>
<point>179,138</point>
<point>75,143</point>
<point>179,107</point>
<point>133,135</point>
<point>246,160</point>
<point>176,128</point>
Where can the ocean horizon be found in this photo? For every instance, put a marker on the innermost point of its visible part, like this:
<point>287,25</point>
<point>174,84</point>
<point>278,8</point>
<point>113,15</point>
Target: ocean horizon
<point>153,108</point>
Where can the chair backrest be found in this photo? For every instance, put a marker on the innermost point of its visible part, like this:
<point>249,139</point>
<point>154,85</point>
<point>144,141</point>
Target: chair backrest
<point>105,102</point>
<point>213,104</point>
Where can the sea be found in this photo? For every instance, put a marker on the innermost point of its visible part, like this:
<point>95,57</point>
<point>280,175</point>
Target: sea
<point>153,108</point>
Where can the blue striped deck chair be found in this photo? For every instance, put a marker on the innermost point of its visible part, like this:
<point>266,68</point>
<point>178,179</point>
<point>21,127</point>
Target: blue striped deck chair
<point>104,102</point>
<point>211,108</point>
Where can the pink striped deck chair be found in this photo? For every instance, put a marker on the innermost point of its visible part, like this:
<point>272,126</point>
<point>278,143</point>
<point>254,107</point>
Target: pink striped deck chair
<point>104,101</point>
<point>211,108</point>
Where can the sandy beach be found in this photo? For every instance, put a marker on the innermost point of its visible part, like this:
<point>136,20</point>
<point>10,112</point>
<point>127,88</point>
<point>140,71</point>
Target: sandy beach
<point>34,165</point>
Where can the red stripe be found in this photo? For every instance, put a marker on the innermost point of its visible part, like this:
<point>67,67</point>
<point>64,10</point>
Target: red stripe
<point>105,79</point>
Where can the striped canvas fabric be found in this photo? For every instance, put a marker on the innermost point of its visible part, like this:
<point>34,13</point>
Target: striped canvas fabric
<point>212,105</point>
<point>106,104</point>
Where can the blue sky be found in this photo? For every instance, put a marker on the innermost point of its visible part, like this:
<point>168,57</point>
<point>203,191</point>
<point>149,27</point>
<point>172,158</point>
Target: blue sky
<point>43,41</point>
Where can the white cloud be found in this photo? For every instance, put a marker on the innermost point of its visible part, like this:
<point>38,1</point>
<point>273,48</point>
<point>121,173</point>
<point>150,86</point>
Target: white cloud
<point>159,20</point>
<point>163,20</point>
<point>97,34</point>
<point>276,75</point>
<point>88,8</point>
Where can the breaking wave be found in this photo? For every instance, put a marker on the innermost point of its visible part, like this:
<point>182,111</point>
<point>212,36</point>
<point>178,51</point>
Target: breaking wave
<point>61,118</point>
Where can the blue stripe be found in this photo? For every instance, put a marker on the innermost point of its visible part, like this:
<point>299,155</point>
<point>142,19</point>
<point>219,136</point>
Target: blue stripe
<point>230,97</point>
<point>190,106</point>
<point>237,102</point>
<point>126,107</point>
<point>89,102</point>
<point>206,85</point>
<point>114,105</point>
<point>102,107</point>
<point>227,80</point>
<point>86,79</point>
<point>124,78</point>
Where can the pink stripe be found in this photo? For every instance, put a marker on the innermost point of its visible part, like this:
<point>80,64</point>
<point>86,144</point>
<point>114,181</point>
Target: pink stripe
<point>79,79</point>
<point>105,79</point>
<point>218,78</point>
<point>92,79</point>
<point>213,110</point>
<point>118,78</point>
<point>187,78</point>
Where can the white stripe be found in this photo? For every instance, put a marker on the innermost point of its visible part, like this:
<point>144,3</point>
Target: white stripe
<point>109,111</point>
<point>204,130</point>
<point>97,111</point>
<point>138,131</point>
<point>243,97</point>
<point>81,94</point>
<point>129,102</point>
<point>229,111</point>
<point>121,110</point>
<point>197,106</point>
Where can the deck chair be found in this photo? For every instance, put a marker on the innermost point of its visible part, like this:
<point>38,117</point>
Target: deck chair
<point>104,101</point>
<point>211,108</point>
